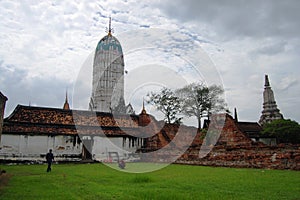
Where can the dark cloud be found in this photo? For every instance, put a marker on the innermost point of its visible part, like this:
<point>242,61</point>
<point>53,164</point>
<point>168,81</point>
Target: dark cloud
<point>270,49</point>
<point>20,88</point>
<point>240,18</point>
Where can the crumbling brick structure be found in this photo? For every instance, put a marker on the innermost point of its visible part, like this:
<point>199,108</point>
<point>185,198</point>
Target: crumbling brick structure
<point>232,149</point>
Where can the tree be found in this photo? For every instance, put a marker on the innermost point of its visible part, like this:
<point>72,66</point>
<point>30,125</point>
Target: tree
<point>166,102</point>
<point>216,102</point>
<point>200,101</point>
<point>285,131</point>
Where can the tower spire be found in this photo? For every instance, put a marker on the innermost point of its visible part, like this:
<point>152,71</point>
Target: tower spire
<point>270,111</point>
<point>144,118</point>
<point>108,94</point>
<point>66,100</point>
<point>267,83</point>
<point>66,104</point>
<point>235,115</point>
<point>143,109</point>
<point>109,27</point>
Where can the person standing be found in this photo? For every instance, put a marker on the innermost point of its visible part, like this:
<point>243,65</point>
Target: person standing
<point>49,159</point>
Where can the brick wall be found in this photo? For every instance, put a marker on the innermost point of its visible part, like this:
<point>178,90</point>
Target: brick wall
<point>284,157</point>
<point>232,149</point>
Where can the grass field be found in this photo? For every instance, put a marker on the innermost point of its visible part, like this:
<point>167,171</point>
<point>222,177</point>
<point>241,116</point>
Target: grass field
<point>97,181</point>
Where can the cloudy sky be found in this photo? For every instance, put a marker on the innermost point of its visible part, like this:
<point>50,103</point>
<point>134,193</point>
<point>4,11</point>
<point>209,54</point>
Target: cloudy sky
<point>45,44</point>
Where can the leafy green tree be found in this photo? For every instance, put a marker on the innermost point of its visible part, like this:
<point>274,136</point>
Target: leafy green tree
<point>285,131</point>
<point>166,102</point>
<point>200,101</point>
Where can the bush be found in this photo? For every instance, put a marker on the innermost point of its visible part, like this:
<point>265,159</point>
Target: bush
<point>285,131</point>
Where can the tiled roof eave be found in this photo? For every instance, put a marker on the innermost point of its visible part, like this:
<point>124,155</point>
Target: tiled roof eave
<point>58,129</point>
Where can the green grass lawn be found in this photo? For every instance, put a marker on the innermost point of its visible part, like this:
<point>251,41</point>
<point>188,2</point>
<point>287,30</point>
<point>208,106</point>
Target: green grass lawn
<point>97,181</point>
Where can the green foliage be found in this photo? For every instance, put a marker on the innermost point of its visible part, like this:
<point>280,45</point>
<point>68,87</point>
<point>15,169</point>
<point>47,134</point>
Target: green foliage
<point>285,130</point>
<point>200,101</point>
<point>97,181</point>
<point>166,102</point>
<point>195,99</point>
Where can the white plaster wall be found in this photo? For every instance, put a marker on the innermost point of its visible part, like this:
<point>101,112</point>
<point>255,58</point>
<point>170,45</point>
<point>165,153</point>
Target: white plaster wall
<point>103,146</point>
<point>27,146</point>
<point>10,144</point>
<point>64,145</point>
<point>32,147</point>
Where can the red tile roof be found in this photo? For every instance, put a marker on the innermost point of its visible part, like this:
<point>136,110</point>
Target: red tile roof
<point>43,120</point>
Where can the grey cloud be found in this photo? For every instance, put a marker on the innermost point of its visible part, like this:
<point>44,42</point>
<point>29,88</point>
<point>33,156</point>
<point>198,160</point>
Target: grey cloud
<point>287,83</point>
<point>20,88</point>
<point>240,18</point>
<point>270,49</point>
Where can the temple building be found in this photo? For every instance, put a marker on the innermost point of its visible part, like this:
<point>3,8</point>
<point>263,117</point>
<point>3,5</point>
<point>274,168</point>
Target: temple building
<point>108,76</point>
<point>30,131</point>
<point>270,111</point>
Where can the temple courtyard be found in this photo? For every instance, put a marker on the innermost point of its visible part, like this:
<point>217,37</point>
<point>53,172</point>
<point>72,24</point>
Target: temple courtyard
<point>98,181</point>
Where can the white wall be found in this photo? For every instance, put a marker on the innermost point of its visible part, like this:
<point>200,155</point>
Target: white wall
<point>28,147</point>
<point>103,146</point>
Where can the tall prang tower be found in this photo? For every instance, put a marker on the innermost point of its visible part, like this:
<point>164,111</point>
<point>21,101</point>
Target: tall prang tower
<point>270,111</point>
<point>108,76</point>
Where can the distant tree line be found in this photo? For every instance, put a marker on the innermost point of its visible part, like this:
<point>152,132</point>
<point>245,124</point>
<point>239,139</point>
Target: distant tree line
<point>200,101</point>
<point>284,130</point>
<point>195,99</point>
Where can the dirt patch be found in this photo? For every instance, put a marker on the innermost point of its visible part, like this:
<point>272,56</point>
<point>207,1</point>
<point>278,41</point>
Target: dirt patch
<point>4,179</point>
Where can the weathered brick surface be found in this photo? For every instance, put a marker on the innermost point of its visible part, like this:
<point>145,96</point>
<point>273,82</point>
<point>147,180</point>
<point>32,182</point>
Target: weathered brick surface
<point>232,149</point>
<point>286,157</point>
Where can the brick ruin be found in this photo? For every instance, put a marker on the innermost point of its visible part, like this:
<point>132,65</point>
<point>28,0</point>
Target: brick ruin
<point>232,149</point>
<point>237,144</point>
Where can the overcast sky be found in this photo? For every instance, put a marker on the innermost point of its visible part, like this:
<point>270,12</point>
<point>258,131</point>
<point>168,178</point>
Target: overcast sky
<point>44,45</point>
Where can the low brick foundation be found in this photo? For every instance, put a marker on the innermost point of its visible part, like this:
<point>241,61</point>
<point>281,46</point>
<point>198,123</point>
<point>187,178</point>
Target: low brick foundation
<point>284,157</point>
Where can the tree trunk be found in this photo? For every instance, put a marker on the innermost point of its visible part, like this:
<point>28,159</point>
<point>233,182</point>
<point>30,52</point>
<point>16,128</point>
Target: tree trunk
<point>169,121</point>
<point>199,122</point>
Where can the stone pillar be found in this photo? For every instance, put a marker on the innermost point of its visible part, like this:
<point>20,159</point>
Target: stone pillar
<point>3,100</point>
